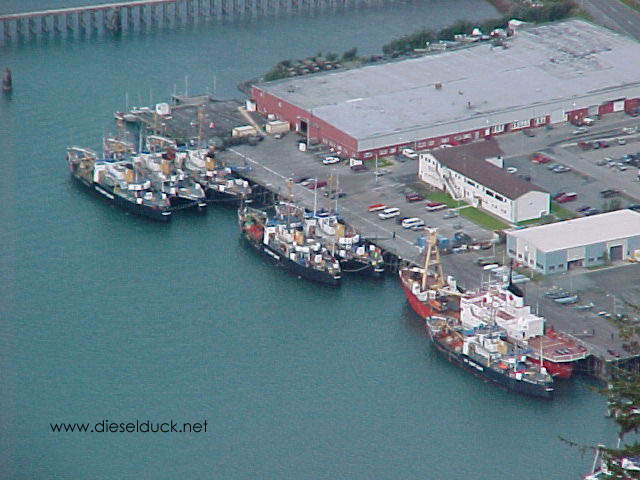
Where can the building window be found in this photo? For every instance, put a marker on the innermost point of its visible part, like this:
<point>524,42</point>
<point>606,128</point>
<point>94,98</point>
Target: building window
<point>498,197</point>
<point>420,145</point>
<point>279,104</point>
<point>458,137</point>
<point>497,128</point>
<point>392,150</point>
<point>262,94</point>
<point>520,124</point>
<point>431,143</point>
<point>519,255</point>
<point>552,267</point>
<point>383,151</point>
<point>368,155</point>
<point>489,193</point>
<point>592,259</point>
<point>444,139</point>
<point>539,265</point>
<point>541,120</point>
<point>471,183</point>
<point>512,251</point>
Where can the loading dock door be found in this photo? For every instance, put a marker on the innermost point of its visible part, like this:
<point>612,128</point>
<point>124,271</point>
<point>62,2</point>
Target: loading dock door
<point>615,252</point>
<point>558,116</point>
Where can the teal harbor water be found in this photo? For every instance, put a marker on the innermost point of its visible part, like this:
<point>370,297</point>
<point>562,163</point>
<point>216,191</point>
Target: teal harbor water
<point>105,316</point>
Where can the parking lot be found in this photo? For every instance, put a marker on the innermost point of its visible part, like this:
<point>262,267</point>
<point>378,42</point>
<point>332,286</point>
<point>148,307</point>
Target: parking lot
<point>274,161</point>
<point>586,178</point>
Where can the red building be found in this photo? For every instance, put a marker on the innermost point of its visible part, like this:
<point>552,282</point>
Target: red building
<point>542,75</point>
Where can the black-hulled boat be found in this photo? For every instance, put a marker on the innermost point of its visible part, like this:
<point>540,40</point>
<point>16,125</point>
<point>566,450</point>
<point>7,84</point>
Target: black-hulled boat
<point>117,182</point>
<point>287,247</point>
<point>485,352</point>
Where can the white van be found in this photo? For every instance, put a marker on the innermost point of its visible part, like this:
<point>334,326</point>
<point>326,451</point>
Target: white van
<point>410,222</point>
<point>389,213</point>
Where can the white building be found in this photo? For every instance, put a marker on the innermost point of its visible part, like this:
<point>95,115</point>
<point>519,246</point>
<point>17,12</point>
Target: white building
<point>473,173</point>
<point>580,242</point>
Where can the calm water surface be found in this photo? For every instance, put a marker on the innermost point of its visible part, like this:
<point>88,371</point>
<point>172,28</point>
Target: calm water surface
<point>107,316</point>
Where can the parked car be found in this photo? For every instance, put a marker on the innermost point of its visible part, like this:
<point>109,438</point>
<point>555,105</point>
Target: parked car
<point>634,206</point>
<point>511,170</point>
<point>561,169</point>
<point>592,211</point>
<point>603,144</point>
<point>389,213</point>
<point>610,192</point>
<point>359,168</point>
<point>413,197</point>
<point>528,132</point>
<point>331,160</point>
<point>380,172</point>
<point>580,130</point>
<point>409,153</point>
<point>411,221</point>
<point>301,179</point>
<point>313,185</point>
<point>377,207</point>
<point>526,178</point>
<point>622,141</point>
<point>540,158</point>
<point>567,197</point>
<point>450,214</point>
<point>603,162</point>
<point>557,195</point>
<point>584,209</point>
<point>435,206</point>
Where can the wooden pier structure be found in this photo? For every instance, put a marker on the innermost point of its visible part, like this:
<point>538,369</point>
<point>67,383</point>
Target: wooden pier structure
<point>140,14</point>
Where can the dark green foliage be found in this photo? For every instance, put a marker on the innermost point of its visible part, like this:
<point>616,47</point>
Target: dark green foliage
<point>409,42</point>
<point>331,57</point>
<point>459,27</point>
<point>350,54</point>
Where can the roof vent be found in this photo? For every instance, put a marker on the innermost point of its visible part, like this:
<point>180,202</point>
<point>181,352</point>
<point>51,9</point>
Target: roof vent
<point>438,86</point>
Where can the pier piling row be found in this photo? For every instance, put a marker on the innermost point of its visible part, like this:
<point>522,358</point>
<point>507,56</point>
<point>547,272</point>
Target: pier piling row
<point>137,15</point>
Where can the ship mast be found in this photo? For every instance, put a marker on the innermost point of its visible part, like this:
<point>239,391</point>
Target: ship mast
<point>432,259</point>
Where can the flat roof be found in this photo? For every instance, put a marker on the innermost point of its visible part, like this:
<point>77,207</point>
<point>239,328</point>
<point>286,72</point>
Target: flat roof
<point>556,63</point>
<point>470,161</point>
<point>583,231</point>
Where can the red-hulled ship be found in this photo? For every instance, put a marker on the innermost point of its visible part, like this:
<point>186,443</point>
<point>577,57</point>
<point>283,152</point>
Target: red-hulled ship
<point>559,353</point>
<point>425,287</point>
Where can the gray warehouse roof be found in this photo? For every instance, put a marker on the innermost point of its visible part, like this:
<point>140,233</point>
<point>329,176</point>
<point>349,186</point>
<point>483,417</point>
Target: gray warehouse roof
<point>544,68</point>
<point>582,231</point>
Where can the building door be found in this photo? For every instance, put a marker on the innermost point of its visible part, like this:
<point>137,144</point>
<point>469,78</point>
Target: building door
<point>615,252</point>
<point>558,116</point>
<point>303,127</point>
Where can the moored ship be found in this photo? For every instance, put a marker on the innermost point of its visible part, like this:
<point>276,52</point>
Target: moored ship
<point>478,347</point>
<point>350,249</point>
<point>219,182</point>
<point>287,246</point>
<point>484,352</point>
<point>505,306</point>
<point>118,182</point>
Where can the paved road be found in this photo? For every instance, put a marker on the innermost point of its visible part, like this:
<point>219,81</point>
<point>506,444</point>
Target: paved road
<point>615,15</point>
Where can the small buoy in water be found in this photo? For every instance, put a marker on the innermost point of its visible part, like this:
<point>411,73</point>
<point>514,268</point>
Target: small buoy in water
<point>6,80</point>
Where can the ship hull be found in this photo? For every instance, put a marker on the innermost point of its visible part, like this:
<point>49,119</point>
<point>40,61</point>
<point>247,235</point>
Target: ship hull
<point>422,309</point>
<point>556,370</point>
<point>292,267</point>
<point>361,268</point>
<point>227,198</point>
<point>104,192</point>
<point>486,373</point>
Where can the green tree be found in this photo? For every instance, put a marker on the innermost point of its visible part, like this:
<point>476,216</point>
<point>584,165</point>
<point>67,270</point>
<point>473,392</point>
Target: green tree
<point>350,54</point>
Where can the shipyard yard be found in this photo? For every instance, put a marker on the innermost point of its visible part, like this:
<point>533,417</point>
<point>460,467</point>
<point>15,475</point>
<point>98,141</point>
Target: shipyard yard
<point>279,165</point>
<point>287,268</point>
